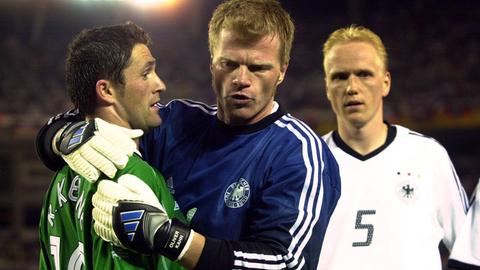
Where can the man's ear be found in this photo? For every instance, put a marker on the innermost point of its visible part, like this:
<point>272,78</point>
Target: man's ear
<point>326,87</point>
<point>105,93</point>
<point>387,82</point>
<point>211,65</point>
<point>283,71</point>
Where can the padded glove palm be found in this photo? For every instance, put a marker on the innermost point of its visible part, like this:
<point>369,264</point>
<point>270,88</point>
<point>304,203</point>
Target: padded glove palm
<point>128,214</point>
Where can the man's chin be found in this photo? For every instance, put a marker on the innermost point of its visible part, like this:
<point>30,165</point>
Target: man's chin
<point>154,121</point>
<point>357,122</point>
<point>243,118</point>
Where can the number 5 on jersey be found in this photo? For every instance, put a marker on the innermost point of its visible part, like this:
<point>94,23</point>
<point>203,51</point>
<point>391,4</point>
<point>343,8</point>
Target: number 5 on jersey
<point>364,226</point>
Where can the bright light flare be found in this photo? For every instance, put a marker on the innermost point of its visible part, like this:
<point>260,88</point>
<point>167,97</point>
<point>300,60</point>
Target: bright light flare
<point>154,3</point>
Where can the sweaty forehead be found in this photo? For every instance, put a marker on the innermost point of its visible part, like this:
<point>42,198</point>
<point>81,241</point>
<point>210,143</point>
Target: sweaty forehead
<point>140,55</point>
<point>353,56</point>
<point>231,43</point>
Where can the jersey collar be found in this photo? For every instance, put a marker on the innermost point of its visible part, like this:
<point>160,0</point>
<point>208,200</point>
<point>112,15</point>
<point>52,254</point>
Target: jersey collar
<point>391,133</point>
<point>265,122</point>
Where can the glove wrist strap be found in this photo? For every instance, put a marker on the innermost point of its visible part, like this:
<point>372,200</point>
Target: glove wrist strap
<point>74,135</point>
<point>56,139</point>
<point>173,239</point>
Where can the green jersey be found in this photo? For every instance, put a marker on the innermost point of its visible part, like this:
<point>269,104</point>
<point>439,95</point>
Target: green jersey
<point>67,238</point>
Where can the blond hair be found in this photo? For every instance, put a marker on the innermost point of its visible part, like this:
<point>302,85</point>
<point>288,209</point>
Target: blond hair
<point>355,33</point>
<point>253,19</point>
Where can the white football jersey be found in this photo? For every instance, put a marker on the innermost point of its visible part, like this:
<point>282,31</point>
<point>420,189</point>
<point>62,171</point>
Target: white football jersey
<point>466,250</point>
<point>397,204</point>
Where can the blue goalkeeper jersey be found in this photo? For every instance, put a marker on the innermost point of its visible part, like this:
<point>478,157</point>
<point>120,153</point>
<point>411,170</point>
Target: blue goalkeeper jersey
<point>268,188</point>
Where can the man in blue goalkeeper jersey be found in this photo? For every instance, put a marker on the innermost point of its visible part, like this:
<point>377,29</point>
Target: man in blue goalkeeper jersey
<point>110,74</point>
<point>257,184</point>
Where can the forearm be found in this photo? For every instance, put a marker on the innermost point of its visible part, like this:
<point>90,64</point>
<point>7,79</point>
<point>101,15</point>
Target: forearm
<point>46,135</point>
<point>192,255</point>
<point>227,254</point>
<point>44,144</point>
<point>216,254</point>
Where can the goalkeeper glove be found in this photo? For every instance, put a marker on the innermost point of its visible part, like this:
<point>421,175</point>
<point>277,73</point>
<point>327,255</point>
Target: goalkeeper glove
<point>94,146</point>
<point>128,214</point>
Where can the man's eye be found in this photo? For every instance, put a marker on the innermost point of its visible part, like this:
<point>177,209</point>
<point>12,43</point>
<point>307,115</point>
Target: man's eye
<point>228,64</point>
<point>364,74</point>
<point>339,76</point>
<point>147,72</point>
<point>256,68</point>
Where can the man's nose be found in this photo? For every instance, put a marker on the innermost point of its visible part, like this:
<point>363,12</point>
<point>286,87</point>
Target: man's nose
<point>159,84</point>
<point>352,85</point>
<point>242,77</point>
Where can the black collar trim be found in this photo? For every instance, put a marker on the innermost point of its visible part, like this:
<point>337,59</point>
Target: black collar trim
<point>391,134</point>
<point>265,122</point>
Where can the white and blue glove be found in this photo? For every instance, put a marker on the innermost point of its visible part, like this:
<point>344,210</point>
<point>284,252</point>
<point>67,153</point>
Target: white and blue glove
<point>95,146</point>
<point>128,214</point>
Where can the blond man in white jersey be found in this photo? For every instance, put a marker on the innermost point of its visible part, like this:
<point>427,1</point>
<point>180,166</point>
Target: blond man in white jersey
<point>400,193</point>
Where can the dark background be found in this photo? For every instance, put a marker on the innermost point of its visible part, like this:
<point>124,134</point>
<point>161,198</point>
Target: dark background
<point>433,50</point>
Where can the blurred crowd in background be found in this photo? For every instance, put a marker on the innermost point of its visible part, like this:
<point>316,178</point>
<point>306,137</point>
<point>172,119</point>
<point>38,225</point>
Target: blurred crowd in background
<point>434,55</point>
<point>433,46</point>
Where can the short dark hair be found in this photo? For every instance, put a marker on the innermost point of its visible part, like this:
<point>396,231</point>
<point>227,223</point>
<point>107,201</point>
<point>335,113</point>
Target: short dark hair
<point>99,53</point>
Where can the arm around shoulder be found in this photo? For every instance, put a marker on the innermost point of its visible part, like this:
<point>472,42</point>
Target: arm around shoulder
<point>45,138</point>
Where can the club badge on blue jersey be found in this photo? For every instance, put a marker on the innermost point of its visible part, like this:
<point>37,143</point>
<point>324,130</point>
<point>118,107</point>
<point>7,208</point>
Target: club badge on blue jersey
<point>237,194</point>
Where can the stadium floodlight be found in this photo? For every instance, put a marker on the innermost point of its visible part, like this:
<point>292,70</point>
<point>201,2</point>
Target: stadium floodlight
<point>153,3</point>
<point>141,4</point>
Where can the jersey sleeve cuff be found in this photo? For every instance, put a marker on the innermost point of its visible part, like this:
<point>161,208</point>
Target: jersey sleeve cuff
<point>461,265</point>
<point>216,255</point>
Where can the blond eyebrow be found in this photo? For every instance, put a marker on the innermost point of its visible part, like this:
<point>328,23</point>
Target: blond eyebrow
<point>260,63</point>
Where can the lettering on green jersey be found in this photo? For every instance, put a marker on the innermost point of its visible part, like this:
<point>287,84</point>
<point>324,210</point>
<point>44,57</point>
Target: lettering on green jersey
<point>64,197</point>
<point>79,209</point>
<point>60,197</point>
<point>190,214</point>
<point>73,190</point>
<point>51,216</point>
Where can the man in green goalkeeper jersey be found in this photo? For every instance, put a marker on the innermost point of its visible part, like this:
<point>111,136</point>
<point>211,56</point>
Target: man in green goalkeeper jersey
<point>110,74</point>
